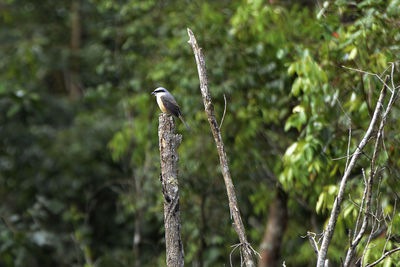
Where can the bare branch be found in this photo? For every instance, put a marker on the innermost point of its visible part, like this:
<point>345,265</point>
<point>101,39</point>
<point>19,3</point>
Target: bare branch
<point>368,242</point>
<point>311,238</point>
<point>344,157</point>
<point>389,232</point>
<point>230,254</point>
<point>357,239</point>
<point>367,195</point>
<point>360,212</point>
<point>388,253</point>
<point>392,75</point>
<point>348,148</point>
<point>223,116</point>
<point>246,250</point>
<point>339,199</point>
<point>385,70</point>
<point>372,74</point>
<point>380,133</point>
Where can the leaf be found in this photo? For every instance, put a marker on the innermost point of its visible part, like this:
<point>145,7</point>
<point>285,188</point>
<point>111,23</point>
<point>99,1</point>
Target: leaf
<point>297,119</point>
<point>387,262</point>
<point>296,87</point>
<point>352,54</point>
<point>332,189</point>
<point>291,149</point>
<point>13,110</point>
<point>292,69</point>
<point>348,210</point>
<point>320,202</point>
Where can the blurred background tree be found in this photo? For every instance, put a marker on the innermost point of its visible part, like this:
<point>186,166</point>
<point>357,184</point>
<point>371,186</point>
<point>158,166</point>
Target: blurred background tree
<point>79,159</point>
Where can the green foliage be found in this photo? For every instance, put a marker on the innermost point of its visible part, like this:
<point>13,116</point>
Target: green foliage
<point>79,177</point>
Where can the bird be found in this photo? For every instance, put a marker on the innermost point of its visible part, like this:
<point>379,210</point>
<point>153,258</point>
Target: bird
<point>167,104</point>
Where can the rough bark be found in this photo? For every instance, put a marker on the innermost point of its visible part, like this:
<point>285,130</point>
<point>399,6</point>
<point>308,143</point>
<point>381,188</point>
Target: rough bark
<point>169,143</point>
<point>277,221</point>
<point>209,109</point>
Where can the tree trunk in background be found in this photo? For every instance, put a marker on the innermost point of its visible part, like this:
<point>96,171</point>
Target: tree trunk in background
<point>72,78</point>
<point>169,143</point>
<point>275,229</point>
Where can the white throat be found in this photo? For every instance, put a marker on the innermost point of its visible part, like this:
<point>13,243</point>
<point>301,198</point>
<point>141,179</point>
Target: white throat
<point>160,94</point>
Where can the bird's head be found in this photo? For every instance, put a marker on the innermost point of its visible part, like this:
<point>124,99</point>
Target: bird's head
<point>159,90</point>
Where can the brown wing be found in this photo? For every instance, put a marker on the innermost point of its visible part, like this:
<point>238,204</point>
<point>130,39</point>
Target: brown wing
<point>171,105</point>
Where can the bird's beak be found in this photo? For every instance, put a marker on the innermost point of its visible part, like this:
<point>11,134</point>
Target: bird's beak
<point>153,93</point>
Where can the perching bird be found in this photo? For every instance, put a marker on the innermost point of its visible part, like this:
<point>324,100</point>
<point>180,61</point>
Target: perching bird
<point>167,103</point>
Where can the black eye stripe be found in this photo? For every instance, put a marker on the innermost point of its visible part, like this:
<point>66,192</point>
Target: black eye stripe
<point>159,91</point>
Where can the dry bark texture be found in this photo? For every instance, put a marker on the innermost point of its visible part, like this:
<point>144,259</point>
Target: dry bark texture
<point>209,109</point>
<point>169,143</point>
<point>271,243</point>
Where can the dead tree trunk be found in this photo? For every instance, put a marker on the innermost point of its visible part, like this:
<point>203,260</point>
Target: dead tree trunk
<point>169,143</point>
<point>246,249</point>
<point>277,220</point>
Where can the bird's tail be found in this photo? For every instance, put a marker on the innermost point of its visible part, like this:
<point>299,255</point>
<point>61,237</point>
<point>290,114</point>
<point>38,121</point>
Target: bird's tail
<point>187,127</point>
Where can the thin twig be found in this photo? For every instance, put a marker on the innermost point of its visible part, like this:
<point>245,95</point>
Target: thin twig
<point>392,75</point>
<point>223,116</point>
<point>388,253</point>
<point>361,205</point>
<point>230,254</point>
<point>389,231</point>
<point>311,238</point>
<point>364,211</point>
<point>344,112</point>
<point>368,242</point>
<point>344,157</point>
<point>372,74</point>
<point>367,99</point>
<point>348,148</point>
<point>385,70</point>
<point>255,251</point>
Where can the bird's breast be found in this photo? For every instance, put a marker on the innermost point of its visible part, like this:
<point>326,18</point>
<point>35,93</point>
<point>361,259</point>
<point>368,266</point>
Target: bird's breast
<point>161,104</point>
